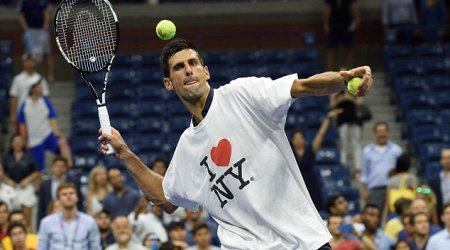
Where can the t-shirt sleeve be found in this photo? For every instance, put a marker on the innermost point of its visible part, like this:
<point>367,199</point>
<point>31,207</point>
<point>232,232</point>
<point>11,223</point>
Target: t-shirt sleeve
<point>45,90</point>
<point>51,109</point>
<point>14,91</point>
<point>270,98</point>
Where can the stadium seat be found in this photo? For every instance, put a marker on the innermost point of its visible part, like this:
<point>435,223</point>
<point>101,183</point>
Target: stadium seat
<point>428,49</point>
<point>416,101</point>
<point>216,58</point>
<point>86,160</point>
<point>416,118</point>
<point>154,108</point>
<point>84,144</point>
<point>429,134</point>
<point>433,65</point>
<point>432,169</point>
<point>275,56</point>
<point>150,125</point>
<point>397,51</point>
<point>430,151</point>
<point>150,92</point>
<point>328,155</point>
<point>151,143</point>
<point>438,82</point>
<point>85,126</point>
<point>404,67</point>
<point>303,55</point>
<point>246,57</point>
<point>409,84</point>
<point>84,110</point>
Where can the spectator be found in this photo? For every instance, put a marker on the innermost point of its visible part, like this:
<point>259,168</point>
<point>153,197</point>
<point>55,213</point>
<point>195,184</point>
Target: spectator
<point>121,194</point>
<point>394,225</point>
<point>399,17</point>
<point>122,233</point>
<point>373,237</point>
<point>48,187</point>
<point>21,172</point>
<point>7,193</point>
<point>202,238</point>
<point>378,159</point>
<point>98,187</point>
<point>340,22</point>
<point>350,128</point>
<point>194,218</point>
<point>21,84</point>
<point>37,122</point>
<point>337,205</point>
<point>4,214</point>
<point>31,239</point>
<point>34,19</point>
<point>18,232</point>
<point>339,242</point>
<point>177,236</point>
<point>432,19</point>
<point>69,229</point>
<point>402,245</point>
<point>103,220</point>
<point>400,185</point>
<point>151,241</point>
<point>441,240</point>
<point>425,193</point>
<point>441,184</point>
<point>160,165</point>
<point>305,154</point>
<point>422,231</point>
<point>144,222</point>
<point>417,206</point>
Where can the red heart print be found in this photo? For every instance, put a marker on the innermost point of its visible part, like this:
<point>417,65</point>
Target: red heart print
<point>221,154</point>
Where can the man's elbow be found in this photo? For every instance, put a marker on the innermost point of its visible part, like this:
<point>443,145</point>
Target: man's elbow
<point>168,207</point>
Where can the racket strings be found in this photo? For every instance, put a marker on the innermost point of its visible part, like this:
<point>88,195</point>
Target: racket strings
<point>87,33</point>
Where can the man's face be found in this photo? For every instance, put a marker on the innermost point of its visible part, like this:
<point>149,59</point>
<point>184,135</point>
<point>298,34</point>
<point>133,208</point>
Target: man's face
<point>371,218</point>
<point>419,206</point>
<point>160,168</point>
<point>334,222</point>
<point>103,222</point>
<point>421,224</point>
<point>116,178</point>
<point>340,206</point>
<point>59,169</point>
<point>18,236</point>
<point>193,216</point>
<point>381,134</point>
<point>122,230</point>
<point>29,64</point>
<point>17,217</point>
<point>188,77</point>
<point>178,233</point>
<point>446,218</point>
<point>445,159</point>
<point>68,198</point>
<point>3,214</point>
<point>202,237</point>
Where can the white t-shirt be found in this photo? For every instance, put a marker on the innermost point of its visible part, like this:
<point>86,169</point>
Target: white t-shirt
<point>21,84</point>
<point>147,223</point>
<point>238,165</point>
<point>130,246</point>
<point>196,248</point>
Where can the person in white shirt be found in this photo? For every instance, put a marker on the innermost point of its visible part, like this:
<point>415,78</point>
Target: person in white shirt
<point>202,237</point>
<point>441,240</point>
<point>21,84</point>
<point>235,160</point>
<point>122,231</point>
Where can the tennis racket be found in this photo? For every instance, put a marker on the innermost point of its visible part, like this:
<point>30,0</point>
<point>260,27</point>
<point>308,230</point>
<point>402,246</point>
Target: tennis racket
<point>87,34</point>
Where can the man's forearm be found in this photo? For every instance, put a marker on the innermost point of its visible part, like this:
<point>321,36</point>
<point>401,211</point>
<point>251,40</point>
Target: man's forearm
<point>148,181</point>
<point>321,84</point>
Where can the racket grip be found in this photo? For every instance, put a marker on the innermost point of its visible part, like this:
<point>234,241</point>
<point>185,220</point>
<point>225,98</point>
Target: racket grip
<point>105,125</point>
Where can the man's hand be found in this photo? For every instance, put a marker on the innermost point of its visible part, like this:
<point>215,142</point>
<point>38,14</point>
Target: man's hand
<point>116,141</point>
<point>334,113</point>
<point>365,73</point>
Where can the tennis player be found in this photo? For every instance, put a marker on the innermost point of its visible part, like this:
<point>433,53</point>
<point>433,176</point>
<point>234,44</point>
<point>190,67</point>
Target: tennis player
<point>234,160</point>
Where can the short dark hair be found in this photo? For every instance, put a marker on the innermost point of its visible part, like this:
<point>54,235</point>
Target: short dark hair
<point>333,215</point>
<point>14,225</point>
<point>64,185</point>
<point>199,227</point>
<point>369,206</point>
<point>171,48</point>
<point>103,211</point>
<point>413,217</point>
<point>401,204</point>
<point>377,124</point>
<point>60,158</point>
<point>12,213</point>
<point>4,204</point>
<point>446,205</point>
<point>403,163</point>
<point>162,159</point>
<point>297,131</point>
<point>331,201</point>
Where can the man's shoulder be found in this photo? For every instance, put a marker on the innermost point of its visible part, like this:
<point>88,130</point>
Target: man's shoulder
<point>49,219</point>
<point>439,235</point>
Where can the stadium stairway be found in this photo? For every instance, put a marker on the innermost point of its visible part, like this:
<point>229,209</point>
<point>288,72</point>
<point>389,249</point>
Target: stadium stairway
<point>379,102</point>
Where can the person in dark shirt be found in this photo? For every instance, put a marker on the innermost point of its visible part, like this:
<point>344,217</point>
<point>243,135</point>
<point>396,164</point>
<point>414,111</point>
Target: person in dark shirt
<point>20,172</point>
<point>305,154</point>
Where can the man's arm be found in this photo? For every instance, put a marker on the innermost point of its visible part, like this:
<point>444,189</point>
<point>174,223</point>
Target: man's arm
<point>94,238</point>
<point>13,109</point>
<point>318,139</point>
<point>331,82</point>
<point>22,22</point>
<point>148,181</point>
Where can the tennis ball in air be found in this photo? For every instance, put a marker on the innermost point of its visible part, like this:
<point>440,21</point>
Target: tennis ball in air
<point>166,29</point>
<point>353,85</point>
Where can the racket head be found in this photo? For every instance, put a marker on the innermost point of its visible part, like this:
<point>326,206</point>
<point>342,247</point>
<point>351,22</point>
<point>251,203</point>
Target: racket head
<point>87,33</point>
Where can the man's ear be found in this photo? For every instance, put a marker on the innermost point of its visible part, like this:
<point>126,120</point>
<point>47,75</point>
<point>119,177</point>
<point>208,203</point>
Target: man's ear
<point>208,76</point>
<point>168,84</point>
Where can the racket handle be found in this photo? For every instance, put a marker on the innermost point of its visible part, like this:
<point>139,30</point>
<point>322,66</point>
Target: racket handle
<point>105,125</point>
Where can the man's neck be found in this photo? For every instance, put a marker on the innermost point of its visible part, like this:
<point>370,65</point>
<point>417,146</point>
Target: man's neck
<point>122,245</point>
<point>29,72</point>
<point>446,173</point>
<point>420,239</point>
<point>120,191</point>
<point>56,178</point>
<point>337,239</point>
<point>207,247</point>
<point>69,214</point>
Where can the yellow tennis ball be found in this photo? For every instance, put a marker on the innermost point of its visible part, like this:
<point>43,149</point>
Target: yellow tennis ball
<point>166,29</point>
<point>353,85</point>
